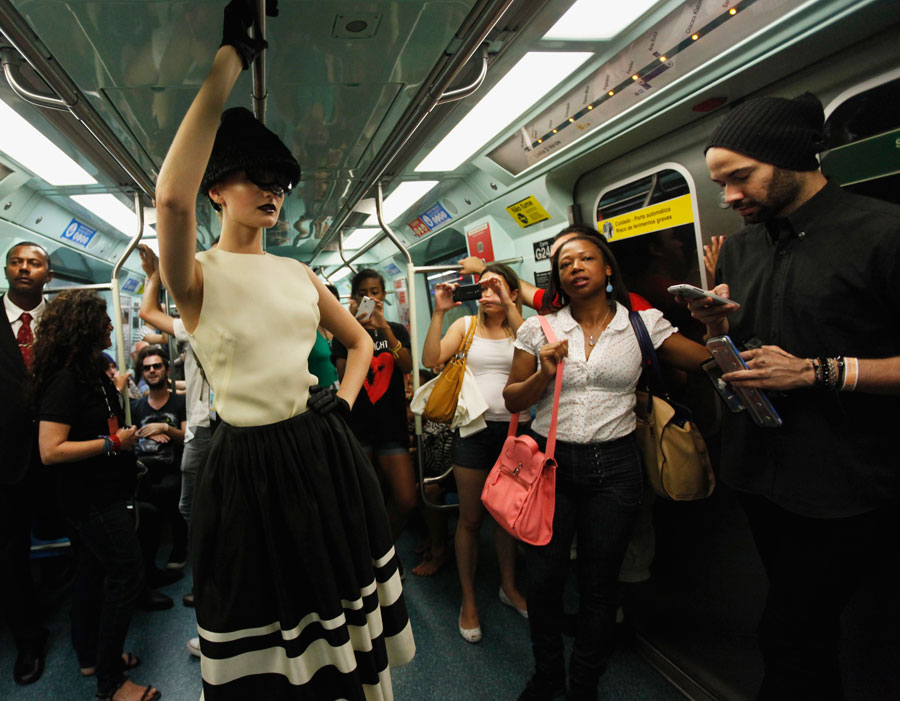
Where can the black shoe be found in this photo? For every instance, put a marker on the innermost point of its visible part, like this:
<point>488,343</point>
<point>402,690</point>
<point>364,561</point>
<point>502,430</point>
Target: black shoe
<point>188,600</point>
<point>152,600</point>
<point>541,689</point>
<point>30,661</point>
<point>157,578</point>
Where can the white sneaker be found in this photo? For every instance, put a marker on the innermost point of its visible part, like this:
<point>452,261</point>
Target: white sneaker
<point>193,646</point>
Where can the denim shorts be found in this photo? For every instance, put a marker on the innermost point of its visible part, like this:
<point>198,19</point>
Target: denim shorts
<point>481,450</point>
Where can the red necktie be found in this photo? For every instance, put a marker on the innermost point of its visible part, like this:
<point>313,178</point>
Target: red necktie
<point>25,339</point>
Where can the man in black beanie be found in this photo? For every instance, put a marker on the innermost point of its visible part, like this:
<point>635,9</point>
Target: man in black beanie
<point>814,275</point>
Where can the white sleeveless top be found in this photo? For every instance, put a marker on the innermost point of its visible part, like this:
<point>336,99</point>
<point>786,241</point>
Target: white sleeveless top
<point>257,326</point>
<point>490,361</point>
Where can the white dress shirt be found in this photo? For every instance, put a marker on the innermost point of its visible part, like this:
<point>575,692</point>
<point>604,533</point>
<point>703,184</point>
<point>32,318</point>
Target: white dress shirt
<point>14,314</point>
<point>597,399</point>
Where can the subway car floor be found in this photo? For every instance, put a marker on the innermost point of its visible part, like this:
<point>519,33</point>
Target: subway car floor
<point>445,667</point>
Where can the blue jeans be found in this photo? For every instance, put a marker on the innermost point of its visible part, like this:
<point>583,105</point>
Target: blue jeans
<point>108,582</point>
<point>598,492</point>
<point>195,452</point>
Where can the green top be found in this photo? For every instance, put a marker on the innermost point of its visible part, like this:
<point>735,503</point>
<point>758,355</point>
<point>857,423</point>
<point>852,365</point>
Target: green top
<point>320,363</point>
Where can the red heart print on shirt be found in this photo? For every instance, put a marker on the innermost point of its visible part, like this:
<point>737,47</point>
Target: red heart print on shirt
<point>379,376</point>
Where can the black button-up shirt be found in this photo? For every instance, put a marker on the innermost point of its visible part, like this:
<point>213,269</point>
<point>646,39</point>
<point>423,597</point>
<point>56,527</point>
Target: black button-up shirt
<point>824,281</point>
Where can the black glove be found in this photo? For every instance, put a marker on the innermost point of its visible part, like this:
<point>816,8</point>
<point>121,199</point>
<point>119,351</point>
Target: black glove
<point>239,16</point>
<point>324,401</point>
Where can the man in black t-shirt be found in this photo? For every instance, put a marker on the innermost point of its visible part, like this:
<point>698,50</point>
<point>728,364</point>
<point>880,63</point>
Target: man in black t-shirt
<point>161,419</point>
<point>160,415</point>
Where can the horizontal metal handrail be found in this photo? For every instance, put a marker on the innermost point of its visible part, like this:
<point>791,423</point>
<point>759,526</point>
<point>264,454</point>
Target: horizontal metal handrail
<point>20,35</point>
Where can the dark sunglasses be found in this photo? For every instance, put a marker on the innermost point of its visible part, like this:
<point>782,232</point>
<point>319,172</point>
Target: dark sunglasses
<point>153,366</point>
<point>268,181</point>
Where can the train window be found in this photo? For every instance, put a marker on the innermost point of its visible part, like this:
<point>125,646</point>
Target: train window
<point>651,228</point>
<point>862,134</point>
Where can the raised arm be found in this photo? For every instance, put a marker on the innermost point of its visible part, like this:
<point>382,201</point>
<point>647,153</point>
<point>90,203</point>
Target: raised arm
<point>473,265</point>
<point>151,312</point>
<point>437,350</point>
<point>179,181</point>
<point>347,330</point>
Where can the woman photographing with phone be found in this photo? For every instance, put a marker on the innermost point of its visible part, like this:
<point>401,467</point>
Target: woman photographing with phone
<point>378,418</point>
<point>295,576</point>
<point>599,475</point>
<point>489,359</point>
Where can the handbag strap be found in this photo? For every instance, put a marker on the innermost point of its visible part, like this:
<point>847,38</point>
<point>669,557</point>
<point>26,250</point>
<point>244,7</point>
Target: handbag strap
<point>652,372</point>
<point>463,349</point>
<point>557,388</point>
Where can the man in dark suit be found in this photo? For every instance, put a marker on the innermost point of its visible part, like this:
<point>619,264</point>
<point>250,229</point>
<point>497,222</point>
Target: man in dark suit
<point>27,270</point>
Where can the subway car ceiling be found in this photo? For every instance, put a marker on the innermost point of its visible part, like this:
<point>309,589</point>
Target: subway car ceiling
<point>557,104</point>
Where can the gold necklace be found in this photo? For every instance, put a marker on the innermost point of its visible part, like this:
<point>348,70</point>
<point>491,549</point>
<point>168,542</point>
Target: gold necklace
<point>591,338</point>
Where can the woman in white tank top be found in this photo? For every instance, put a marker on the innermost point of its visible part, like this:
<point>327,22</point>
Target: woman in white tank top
<point>489,359</point>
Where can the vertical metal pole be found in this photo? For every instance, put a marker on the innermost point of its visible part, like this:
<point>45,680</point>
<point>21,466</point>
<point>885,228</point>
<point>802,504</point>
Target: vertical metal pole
<point>117,298</point>
<point>173,348</point>
<point>414,342</point>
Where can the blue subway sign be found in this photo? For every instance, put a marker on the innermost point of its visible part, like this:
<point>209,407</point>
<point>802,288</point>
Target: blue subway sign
<point>78,233</point>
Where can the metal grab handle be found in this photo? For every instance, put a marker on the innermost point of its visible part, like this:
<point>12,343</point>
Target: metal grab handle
<point>12,70</point>
<point>414,342</point>
<point>117,298</point>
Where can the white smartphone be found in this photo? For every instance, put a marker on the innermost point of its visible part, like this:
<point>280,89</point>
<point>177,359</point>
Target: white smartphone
<point>366,307</point>
<point>692,292</point>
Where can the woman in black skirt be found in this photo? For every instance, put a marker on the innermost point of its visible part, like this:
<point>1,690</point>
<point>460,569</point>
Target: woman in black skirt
<point>295,576</point>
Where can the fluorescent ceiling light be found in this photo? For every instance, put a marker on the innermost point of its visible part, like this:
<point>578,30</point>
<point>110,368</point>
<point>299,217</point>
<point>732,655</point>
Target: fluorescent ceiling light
<point>25,144</point>
<point>344,272</point>
<point>112,211</point>
<point>401,199</point>
<point>535,75</point>
<point>359,238</point>
<point>589,20</point>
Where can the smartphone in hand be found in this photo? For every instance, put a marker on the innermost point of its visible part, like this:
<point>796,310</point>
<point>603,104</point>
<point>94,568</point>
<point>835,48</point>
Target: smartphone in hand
<point>754,400</point>
<point>366,307</point>
<point>465,293</point>
<point>692,292</point>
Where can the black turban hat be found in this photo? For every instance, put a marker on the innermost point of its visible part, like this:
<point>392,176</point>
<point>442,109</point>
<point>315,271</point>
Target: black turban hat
<point>243,143</point>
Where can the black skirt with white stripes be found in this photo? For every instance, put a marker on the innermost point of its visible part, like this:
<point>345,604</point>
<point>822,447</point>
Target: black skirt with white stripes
<point>297,590</point>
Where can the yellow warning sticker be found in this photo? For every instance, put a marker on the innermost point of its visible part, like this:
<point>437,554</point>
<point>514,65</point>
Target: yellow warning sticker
<point>528,211</point>
<point>656,217</point>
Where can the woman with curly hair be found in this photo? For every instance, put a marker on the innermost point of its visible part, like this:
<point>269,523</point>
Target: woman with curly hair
<point>82,434</point>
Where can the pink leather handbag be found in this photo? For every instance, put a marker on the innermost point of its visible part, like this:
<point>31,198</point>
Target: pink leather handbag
<point>520,490</point>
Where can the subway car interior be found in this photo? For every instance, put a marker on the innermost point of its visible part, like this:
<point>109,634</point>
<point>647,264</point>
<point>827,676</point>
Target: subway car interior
<point>428,132</point>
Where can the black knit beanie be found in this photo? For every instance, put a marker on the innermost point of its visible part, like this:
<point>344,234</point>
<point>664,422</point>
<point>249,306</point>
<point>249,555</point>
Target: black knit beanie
<point>785,133</point>
<point>243,142</point>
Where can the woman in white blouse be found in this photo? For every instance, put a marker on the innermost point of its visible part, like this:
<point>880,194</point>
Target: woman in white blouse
<point>599,479</point>
<point>489,359</point>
